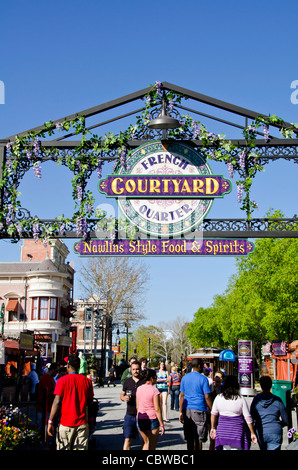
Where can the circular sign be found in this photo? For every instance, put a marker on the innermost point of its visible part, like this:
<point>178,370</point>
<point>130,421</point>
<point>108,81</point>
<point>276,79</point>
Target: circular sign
<point>165,216</point>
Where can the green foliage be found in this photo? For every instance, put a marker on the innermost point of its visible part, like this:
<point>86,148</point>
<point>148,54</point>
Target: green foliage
<point>90,155</point>
<point>261,300</point>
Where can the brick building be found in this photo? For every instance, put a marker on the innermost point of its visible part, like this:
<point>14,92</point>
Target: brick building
<point>37,293</point>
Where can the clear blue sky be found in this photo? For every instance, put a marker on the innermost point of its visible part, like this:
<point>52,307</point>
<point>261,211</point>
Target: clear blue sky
<point>58,58</point>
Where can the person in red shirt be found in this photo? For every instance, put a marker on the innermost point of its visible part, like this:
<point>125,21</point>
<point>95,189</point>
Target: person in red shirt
<point>45,396</point>
<point>74,392</point>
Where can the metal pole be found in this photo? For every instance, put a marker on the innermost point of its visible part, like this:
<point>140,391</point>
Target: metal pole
<point>2,317</point>
<point>126,343</point>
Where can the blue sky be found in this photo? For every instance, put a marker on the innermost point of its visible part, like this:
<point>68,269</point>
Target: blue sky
<point>58,58</point>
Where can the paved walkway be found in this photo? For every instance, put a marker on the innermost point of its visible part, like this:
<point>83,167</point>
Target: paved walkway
<point>108,435</point>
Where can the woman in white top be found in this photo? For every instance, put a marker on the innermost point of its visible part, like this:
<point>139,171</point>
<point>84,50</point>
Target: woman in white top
<point>231,421</point>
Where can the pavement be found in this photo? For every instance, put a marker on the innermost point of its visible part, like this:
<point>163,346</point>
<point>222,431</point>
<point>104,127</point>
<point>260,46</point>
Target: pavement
<point>108,434</point>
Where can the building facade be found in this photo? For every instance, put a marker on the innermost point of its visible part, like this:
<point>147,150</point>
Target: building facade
<point>37,293</point>
<point>93,330</point>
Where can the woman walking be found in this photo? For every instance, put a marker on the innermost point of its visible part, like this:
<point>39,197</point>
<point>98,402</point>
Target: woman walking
<point>174,385</point>
<point>163,388</point>
<point>231,422</point>
<point>149,418</point>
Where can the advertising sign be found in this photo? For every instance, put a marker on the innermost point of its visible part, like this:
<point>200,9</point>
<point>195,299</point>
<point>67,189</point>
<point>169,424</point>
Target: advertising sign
<point>159,247</point>
<point>165,189</point>
<point>246,367</point>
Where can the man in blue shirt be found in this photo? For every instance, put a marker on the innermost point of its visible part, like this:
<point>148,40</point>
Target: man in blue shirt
<point>194,403</point>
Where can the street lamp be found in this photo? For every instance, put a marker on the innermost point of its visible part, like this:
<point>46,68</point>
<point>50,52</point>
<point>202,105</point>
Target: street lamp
<point>2,317</point>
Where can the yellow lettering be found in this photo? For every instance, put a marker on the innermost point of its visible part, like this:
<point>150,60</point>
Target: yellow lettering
<point>140,185</point>
<point>132,247</point>
<point>166,185</point>
<point>185,187</point>
<point>196,247</point>
<point>114,186</point>
<point>209,246</point>
<point>154,185</point>
<point>87,248</point>
<point>130,186</point>
<point>176,185</point>
<point>197,186</point>
<point>209,182</point>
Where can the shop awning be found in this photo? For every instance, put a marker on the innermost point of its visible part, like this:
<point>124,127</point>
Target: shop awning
<point>227,355</point>
<point>12,305</point>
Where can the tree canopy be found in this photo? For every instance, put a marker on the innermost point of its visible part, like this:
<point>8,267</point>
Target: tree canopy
<point>260,302</point>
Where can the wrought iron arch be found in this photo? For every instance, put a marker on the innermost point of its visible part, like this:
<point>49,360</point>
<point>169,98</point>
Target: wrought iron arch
<point>63,147</point>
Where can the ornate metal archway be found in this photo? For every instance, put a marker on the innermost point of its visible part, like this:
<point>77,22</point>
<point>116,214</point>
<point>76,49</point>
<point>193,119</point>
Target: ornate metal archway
<point>62,148</point>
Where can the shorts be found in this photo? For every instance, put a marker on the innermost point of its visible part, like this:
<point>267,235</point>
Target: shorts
<point>162,390</point>
<point>195,425</point>
<point>130,430</point>
<point>147,424</point>
<point>72,438</point>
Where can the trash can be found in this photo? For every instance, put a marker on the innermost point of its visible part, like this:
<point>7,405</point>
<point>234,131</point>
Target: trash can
<point>281,388</point>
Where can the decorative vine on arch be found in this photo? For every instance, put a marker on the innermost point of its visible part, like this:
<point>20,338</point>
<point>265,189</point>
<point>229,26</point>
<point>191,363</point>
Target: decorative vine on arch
<point>27,152</point>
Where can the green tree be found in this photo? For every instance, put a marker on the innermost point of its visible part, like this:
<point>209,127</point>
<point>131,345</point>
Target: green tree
<point>260,303</point>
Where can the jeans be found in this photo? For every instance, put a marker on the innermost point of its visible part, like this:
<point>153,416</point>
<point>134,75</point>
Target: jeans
<point>270,441</point>
<point>175,392</point>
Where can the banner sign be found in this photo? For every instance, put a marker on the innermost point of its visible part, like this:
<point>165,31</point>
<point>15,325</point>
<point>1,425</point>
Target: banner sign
<point>246,367</point>
<point>158,247</point>
<point>165,188</point>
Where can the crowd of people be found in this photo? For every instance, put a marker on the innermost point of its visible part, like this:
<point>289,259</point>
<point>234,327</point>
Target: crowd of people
<point>208,407</point>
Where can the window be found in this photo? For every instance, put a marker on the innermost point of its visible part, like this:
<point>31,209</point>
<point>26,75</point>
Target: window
<point>12,309</point>
<point>44,308</point>
<point>53,308</point>
<point>87,333</point>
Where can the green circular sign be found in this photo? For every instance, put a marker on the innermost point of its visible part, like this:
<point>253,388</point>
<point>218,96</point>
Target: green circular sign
<point>165,216</point>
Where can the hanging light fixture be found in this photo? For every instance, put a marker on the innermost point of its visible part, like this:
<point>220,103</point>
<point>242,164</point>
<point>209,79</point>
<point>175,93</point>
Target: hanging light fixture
<point>163,121</point>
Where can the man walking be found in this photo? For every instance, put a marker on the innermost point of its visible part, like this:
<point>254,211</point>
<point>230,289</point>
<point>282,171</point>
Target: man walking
<point>127,373</point>
<point>194,403</point>
<point>74,392</point>
<point>128,395</point>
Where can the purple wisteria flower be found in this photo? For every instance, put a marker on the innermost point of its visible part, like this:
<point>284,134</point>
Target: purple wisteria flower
<point>252,131</point>
<point>196,130</point>
<point>148,100</point>
<point>62,229</point>
<point>36,147</point>
<point>9,146</point>
<point>28,154</point>
<point>266,131</point>
<point>212,136</point>
<point>158,88</point>
<point>79,193</point>
<point>123,158</point>
<point>242,157</point>
<point>58,125</point>
<point>240,188</point>
<point>37,170</point>
<point>171,105</point>
<point>231,169</point>
<point>99,169</point>
<point>81,227</point>
<point>36,231</point>
<point>89,208</point>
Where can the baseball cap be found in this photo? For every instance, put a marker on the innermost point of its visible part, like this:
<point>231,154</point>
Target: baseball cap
<point>73,360</point>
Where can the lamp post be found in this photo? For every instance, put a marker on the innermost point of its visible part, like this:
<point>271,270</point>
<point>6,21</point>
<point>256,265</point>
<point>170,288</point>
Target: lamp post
<point>2,318</point>
<point>149,344</point>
